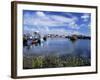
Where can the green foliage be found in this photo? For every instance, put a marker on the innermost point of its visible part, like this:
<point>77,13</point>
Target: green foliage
<point>37,62</point>
<point>51,61</point>
<point>75,61</point>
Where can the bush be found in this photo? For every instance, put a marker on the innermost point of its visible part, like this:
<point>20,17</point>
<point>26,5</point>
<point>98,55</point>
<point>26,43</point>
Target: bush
<point>37,62</point>
<point>52,61</point>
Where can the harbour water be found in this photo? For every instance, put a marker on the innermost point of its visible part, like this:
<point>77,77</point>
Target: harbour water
<point>60,46</point>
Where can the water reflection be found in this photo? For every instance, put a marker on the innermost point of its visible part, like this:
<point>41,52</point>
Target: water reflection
<point>59,46</point>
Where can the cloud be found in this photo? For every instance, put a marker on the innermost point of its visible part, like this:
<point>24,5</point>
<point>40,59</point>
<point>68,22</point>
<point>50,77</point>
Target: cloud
<point>42,19</point>
<point>85,17</point>
<point>88,26</point>
<point>61,19</point>
<point>58,31</point>
<point>43,22</point>
<point>68,21</point>
<point>73,25</point>
<point>39,13</point>
<point>71,32</point>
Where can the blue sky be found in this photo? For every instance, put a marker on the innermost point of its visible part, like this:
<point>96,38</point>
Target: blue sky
<point>66,23</point>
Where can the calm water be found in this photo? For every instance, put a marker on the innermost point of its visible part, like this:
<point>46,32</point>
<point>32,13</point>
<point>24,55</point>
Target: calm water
<point>59,46</point>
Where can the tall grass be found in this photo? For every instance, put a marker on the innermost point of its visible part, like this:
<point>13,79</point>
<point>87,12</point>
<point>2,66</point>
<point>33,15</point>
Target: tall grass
<point>52,61</point>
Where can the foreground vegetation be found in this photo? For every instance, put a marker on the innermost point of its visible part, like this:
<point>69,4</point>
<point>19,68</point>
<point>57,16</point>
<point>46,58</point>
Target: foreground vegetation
<point>52,61</point>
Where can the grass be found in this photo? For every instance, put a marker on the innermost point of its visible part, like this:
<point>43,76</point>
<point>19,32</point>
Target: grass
<point>52,61</point>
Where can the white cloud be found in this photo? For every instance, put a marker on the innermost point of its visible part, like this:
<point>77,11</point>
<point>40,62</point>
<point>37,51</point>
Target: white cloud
<point>61,19</point>
<point>58,31</point>
<point>85,17</point>
<point>39,13</point>
<point>70,22</point>
<point>40,19</point>
<point>71,32</point>
<point>65,32</point>
<point>88,26</point>
<point>73,25</point>
<point>43,20</point>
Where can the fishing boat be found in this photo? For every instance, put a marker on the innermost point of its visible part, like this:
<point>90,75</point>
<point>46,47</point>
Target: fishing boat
<point>73,37</point>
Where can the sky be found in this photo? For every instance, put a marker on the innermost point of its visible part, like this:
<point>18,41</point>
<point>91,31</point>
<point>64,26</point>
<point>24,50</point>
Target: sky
<point>62,23</point>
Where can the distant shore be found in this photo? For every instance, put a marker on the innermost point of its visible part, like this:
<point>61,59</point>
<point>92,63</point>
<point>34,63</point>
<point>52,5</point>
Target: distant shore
<point>80,37</point>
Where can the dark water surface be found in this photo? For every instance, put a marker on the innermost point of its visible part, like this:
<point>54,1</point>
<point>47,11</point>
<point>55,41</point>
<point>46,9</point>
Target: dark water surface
<point>59,46</point>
